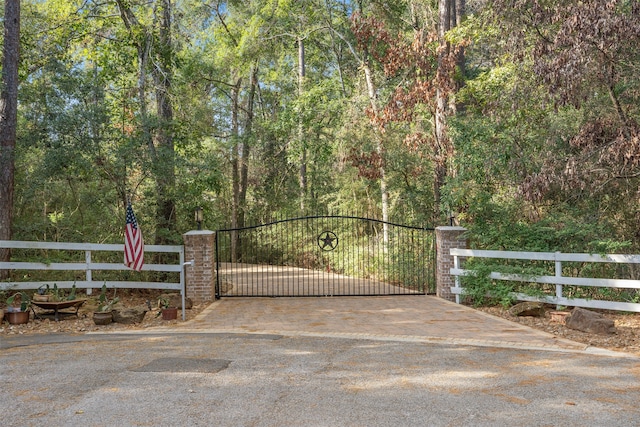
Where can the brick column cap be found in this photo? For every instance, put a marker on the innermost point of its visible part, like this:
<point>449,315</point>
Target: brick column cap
<point>199,233</point>
<point>450,228</point>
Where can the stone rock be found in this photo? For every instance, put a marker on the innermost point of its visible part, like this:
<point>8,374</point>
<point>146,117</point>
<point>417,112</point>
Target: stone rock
<point>175,300</point>
<point>527,308</point>
<point>129,316</point>
<point>589,321</point>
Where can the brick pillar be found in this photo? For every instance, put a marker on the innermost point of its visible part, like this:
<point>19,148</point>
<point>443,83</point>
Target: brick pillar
<point>199,245</point>
<point>447,238</point>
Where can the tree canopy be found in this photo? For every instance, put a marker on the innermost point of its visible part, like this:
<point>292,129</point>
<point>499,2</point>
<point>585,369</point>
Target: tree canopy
<point>517,119</point>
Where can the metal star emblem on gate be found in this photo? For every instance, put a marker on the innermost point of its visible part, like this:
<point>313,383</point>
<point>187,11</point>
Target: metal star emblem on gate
<point>327,240</point>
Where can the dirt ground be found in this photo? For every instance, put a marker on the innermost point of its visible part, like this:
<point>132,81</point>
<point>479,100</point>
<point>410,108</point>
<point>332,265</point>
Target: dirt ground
<point>84,321</point>
<point>626,339</point>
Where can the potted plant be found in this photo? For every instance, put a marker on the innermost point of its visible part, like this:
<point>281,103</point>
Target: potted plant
<point>104,314</point>
<point>18,315</point>
<point>42,294</point>
<point>167,312</point>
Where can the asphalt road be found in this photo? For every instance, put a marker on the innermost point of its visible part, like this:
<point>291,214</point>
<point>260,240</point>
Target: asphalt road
<point>226,379</point>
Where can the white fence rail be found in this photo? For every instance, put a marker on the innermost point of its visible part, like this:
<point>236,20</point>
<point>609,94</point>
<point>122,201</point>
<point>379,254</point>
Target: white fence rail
<point>88,266</point>
<point>558,279</point>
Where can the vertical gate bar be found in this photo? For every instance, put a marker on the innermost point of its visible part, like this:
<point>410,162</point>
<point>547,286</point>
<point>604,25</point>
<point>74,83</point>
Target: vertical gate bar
<point>364,249</point>
<point>304,274</point>
<point>302,244</point>
<point>298,289</point>
<point>384,247</point>
<point>329,225</point>
<point>356,250</point>
<point>217,285</point>
<point>275,233</point>
<point>297,244</point>
<point>293,231</point>
<point>314,279</point>
<point>258,267</point>
<point>408,268</point>
<point>381,256</point>
<point>372,237</point>
<point>361,251</point>
<point>407,241</point>
<point>319,226</point>
<point>398,259</point>
<point>241,264</point>
<point>237,267</point>
<point>385,255</point>
<point>392,258</point>
<point>247,265</point>
<point>300,264</point>
<point>284,235</point>
<point>290,238</point>
<point>309,231</point>
<point>401,273</point>
<point>421,246</point>
<point>341,262</point>
<point>241,261</point>
<point>405,270</point>
<point>296,273</point>
<point>312,238</point>
<point>327,282</point>
<point>255,268</point>
<point>252,265</point>
<point>241,267</point>
<point>414,264</point>
<point>428,247</point>
<point>378,258</point>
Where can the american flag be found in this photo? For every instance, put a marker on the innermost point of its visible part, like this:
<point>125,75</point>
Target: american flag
<point>133,244</point>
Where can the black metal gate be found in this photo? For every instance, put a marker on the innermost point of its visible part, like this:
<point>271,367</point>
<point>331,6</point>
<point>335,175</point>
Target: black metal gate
<point>329,255</point>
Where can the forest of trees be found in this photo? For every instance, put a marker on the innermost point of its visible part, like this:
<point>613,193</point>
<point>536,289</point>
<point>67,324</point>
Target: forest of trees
<point>515,118</point>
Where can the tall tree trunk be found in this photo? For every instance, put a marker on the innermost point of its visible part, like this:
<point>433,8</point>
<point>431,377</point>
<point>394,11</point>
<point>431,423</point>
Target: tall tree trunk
<point>301,142</point>
<point>165,164</point>
<point>8,121</point>
<point>235,169</point>
<point>240,157</point>
<point>384,192</point>
<point>446,11</point>
<point>246,144</point>
<point>159,141</point>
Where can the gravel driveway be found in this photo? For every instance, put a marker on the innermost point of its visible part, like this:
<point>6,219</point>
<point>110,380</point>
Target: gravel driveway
<point>226,379</point>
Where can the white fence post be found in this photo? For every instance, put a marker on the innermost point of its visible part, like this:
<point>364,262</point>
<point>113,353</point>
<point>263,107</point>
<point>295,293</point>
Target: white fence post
<point>456,278</point>
<point>558,275</point>
<point>87,257</point>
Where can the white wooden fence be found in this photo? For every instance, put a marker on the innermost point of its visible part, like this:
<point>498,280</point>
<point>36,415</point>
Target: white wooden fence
<point>558,279</point>
<point>88,266</point>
